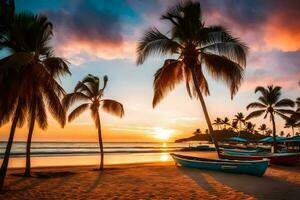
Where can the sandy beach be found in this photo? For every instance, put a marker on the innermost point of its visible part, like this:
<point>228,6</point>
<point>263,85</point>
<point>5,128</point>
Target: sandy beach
<point>161,180</point>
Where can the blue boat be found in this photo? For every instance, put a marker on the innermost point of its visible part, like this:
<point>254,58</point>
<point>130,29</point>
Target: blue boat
<point>257,167</point>
<point>242,152</point>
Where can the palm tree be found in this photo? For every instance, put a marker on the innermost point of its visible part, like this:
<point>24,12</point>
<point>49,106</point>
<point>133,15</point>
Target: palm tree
<point>298,105</point>
<point>195,46</point>
<point>240,119</point>
<point>234,125</point>
<point>291,122</point>
<point>250,127</point>
<point>269,103</point>
<point>31,79</point>
<point>89,91</point>
<point>225,122</point>
<point>217,123</point>
<point>263,128</point>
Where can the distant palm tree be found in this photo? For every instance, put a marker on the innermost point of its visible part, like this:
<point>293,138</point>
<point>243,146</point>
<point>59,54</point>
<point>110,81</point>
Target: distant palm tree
<point>250,127</point>
<point>195,46</point>
<point>89,91</point>
<point>269,103</point>
<point>225,122</point>
<point>234,125</point>
<point>240,119</point>
<point>298,104</point>
<point>281,133</point>
<point>291,122</point>
<point>218,123</point>
<point>263,128</point>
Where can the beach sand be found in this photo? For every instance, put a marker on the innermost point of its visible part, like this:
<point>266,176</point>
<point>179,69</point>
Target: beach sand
<point>151,181</point>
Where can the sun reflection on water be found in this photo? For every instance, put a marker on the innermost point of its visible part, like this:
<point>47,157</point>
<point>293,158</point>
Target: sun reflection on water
<point>164,157</point>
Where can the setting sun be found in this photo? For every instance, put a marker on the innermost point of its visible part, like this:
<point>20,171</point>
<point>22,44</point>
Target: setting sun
<point>162,133</point>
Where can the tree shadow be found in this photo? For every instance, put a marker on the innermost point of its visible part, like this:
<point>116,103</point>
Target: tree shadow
<point>96,182</point>
<point>266,187</point>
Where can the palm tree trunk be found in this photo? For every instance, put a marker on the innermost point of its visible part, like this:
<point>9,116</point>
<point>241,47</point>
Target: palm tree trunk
<point>274,133</point>
<point>31,128</point>
<point>4,165</point>
<point>240,125</point>
<point>293,131</point>
<point>210,128</point>
<point>100,141</point>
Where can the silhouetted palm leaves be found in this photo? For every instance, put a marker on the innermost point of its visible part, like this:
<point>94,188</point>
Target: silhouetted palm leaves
<point>89,91</point>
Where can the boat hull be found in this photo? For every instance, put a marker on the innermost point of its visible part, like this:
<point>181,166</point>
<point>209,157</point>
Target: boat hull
<point>275,158</point>
<point>256,168</point>
<point>239,152</point>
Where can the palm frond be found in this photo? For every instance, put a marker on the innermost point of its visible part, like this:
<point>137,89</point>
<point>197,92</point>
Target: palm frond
<point>71,98</point>
<point>156,43</point>
<point>92,82</point>
<point>283,116</point>
<point>57,66</point>
<point>286,111</point>
<point>218,40</point>
<point>166,78</point>
<point>256,105</point>
<point>112,107</point>
<point>77,111</point>
<point>224,69</point>
<point>253,114</point>
<point>82,87</point>
<point>41,115</point>
<point>285,103</point>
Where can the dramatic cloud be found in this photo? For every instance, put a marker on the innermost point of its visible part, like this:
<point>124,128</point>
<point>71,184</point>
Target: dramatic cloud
<point>83,27</point>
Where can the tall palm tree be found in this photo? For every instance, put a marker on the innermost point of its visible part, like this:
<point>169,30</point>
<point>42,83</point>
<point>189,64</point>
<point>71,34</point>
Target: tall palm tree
<point>31,69</point>
<point>263,128</point>
<point>269,103</point>
<point>240,119</point>
<point>217,123</point>
<point>89,91</point>
<point>225,122</point>
<point>291,122</point>
<point>234,125</point>
<point>195,46</point>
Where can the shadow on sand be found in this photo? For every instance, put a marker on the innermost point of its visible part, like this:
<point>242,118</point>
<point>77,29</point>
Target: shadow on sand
<point>266,187</point>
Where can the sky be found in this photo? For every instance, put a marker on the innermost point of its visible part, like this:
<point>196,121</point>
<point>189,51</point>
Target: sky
<point>99,37</point>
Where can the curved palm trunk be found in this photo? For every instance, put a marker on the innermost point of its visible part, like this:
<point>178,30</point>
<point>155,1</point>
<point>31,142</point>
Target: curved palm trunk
<point>100,141</point>
<point>293,131</point>
<point>28,145</point>
<point>4,165</point>
<point>274,133</point>
<point>210,128</point>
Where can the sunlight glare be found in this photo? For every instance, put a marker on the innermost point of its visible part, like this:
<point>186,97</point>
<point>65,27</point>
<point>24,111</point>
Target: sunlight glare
<point>162,133</point>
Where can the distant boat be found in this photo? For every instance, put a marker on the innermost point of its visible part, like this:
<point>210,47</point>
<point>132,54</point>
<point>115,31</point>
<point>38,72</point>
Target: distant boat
<point>275,158</point>
<point>256,168</point>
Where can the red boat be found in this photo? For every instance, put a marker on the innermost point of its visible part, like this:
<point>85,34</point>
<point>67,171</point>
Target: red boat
<point>275,158</point>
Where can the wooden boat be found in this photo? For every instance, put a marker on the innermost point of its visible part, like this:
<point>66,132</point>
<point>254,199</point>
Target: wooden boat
<point>240,152</point>
<point>256,168</point>
<point>275,158</point>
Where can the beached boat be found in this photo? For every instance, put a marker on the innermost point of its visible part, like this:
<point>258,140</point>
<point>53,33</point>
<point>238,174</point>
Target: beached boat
<point>240,152</point>
<point>256,168</point>
<point>275,158</point>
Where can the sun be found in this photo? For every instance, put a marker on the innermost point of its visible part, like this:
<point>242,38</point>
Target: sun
<point>162,133</point>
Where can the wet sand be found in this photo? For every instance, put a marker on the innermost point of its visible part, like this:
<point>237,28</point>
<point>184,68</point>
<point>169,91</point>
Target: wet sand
<point>151,181</point>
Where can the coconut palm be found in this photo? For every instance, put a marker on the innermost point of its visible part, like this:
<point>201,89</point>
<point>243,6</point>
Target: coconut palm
<point>263,128</point>
<point>291,122</point>
<point>193,45</point>
<point>31,70</point>
<point>269,103</point>
<point>234,125</point>
<point>89,91</point>
<point>225,122</point>
<point>298,104</point>
<point>240,119</point>
<point>249,127</point>
<point>218,123</point>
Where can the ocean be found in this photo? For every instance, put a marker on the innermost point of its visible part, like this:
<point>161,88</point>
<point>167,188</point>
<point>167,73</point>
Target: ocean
<point>45,154</point>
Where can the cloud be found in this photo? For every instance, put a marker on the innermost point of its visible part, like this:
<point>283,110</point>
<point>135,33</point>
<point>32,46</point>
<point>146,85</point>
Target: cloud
<point>83,27</point>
